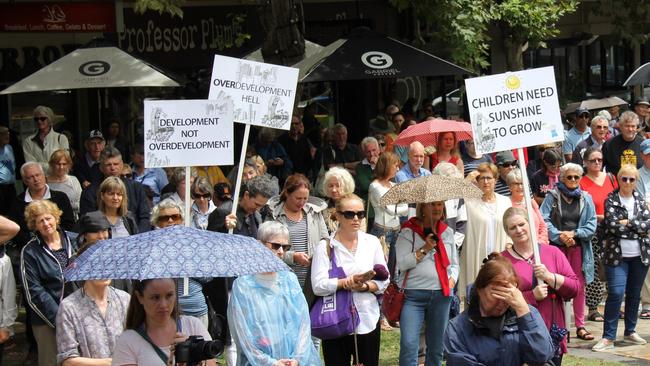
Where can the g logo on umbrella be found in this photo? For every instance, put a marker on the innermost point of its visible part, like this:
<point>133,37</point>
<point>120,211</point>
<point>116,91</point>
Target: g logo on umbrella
<point>376,60</point>
<point>94,68</point>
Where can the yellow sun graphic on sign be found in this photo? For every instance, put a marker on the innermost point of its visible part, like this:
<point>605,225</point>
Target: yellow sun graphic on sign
<point>513,82</point>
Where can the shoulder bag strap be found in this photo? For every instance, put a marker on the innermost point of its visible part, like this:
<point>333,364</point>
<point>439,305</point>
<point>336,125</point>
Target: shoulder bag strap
<point>159,352</point>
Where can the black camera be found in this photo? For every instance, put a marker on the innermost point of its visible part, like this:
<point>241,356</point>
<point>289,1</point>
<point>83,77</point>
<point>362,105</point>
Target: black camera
<point>194,350</point>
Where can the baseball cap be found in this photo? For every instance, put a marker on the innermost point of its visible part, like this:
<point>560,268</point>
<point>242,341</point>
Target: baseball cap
<point>504,157</point>
<point>93,222</point>
<point>95,134</point>
<point>582,110</point>
<point>642,100</point>
<point>645,146</point>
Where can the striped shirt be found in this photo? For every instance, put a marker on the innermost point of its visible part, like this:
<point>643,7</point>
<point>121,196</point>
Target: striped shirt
<point>298,238</point>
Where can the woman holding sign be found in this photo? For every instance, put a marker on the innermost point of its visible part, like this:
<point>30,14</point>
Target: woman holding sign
<point>558,284</point>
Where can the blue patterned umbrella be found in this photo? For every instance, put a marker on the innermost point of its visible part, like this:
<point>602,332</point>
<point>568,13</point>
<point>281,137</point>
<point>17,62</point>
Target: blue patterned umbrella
<point>174,252</point>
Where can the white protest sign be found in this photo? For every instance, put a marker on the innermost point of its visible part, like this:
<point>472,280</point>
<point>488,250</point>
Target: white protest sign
<point>188,133</point>
<point>515,109</point>
<point>263,94</point>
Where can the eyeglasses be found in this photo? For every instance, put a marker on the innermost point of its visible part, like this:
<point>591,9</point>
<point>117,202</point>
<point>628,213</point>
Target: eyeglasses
<point>36,119</point>
<point>573,177</point>
<point>351,214</point>
<point>196,196</point>
<point>584,115</point>
<point>126,176</point>
<point>602,127</point>
<point>276,246</point>
<point>508,164</point>
<point>628,179</point>
<point>595,160</point>
<point>174,218</point>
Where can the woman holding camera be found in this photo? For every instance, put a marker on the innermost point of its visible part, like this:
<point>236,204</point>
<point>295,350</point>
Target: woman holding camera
<point>268,315</point>
<point>154,326</point>
<point>426,253</point>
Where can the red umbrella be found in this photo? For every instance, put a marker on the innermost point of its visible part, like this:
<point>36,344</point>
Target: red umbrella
<point>427,132</point>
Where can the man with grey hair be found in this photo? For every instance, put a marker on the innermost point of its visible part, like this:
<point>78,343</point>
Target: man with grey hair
<point>111,166</point>
<point>363,176</point>
<point>340,152</point>
<point>599,129</point>
<point>7,171</point>
<point>37,189</point>
<point>626,147</point>
<point>252,197</point>
<point>414,167</point>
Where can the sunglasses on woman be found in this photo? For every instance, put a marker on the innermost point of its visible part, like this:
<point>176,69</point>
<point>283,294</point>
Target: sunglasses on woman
<point>174,217</point>
<point>196,196</point>
<point>351,214</point>
<point>628,179</point>
<point>276,246</point>
<point>36,119</point>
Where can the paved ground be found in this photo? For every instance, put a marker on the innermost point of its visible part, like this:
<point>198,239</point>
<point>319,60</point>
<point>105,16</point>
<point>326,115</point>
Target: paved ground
<point>623,352</point>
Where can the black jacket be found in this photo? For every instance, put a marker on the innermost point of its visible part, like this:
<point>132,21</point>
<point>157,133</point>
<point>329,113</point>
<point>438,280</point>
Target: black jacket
<point>83,172</point>
<point>138,204</point>
<point>18,215</point>
<point>43,279</point>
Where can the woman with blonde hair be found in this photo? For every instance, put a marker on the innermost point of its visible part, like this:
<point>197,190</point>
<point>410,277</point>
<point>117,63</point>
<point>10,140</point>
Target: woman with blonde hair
<point>356,253</point>
<point>58,178</point>
<point>41,265</point>
<point>112,201</point>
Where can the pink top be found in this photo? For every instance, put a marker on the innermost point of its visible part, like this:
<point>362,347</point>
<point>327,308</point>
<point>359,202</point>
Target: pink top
<point>542,230</point>
<point>599,193</point>
<point>557,263</point>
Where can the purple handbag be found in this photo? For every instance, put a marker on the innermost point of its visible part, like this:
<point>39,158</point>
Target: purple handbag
<point>335,315</point>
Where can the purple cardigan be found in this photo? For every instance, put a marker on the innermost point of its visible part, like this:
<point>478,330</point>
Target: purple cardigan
<point>555,262</point>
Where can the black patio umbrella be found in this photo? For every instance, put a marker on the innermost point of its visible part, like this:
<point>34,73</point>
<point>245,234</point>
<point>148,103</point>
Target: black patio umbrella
<point>640,76</point>
<point>366,54</point>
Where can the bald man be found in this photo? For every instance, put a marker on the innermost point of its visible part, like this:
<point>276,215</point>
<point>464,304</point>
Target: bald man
<point>414,167</point>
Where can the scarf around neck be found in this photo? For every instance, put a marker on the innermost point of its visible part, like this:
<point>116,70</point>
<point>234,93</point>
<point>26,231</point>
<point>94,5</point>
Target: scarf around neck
<point>575,193</point>
<point>441,259</point>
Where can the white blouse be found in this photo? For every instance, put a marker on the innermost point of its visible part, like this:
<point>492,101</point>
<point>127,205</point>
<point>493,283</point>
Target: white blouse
<point>386,216</point>
<point>368,253</point>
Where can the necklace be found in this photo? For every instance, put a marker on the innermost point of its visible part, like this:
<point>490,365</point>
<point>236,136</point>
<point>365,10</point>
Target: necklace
<point>528,260</point>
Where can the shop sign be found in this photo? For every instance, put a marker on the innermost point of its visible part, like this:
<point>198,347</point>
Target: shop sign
<point>78,17</point>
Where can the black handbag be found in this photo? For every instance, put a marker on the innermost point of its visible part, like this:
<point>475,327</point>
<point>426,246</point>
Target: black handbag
<point>216,323</point>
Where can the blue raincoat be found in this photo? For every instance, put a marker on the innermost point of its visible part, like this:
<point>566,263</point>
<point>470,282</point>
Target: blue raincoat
<point>269,320</point>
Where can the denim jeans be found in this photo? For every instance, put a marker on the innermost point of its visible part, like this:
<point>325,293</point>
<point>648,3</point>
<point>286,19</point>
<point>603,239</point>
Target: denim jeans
<point>391,239</point>
<point>624,279</point>
<point>420,306</point>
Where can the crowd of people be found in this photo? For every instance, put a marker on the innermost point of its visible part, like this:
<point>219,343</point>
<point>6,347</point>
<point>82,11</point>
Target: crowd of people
<point>314,199</point>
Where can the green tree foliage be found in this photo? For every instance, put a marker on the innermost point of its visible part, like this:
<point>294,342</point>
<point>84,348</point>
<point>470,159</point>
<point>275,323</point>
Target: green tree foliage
<point>630,18</point>
<point>172,7</point>
<point>467,27</point>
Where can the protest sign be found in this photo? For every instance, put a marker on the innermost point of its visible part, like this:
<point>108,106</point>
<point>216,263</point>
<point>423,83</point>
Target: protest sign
<point>263,94</point>
<point>188,133</point>
<point>515,109</point>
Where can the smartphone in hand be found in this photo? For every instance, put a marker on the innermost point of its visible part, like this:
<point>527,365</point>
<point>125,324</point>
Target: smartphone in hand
<point>363,277</point>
